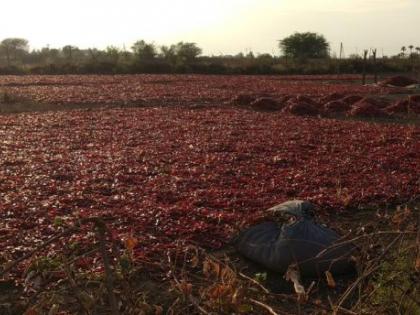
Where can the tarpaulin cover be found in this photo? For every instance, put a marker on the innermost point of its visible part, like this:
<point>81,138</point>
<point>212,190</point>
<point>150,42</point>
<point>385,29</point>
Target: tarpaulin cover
<point>303,241</point>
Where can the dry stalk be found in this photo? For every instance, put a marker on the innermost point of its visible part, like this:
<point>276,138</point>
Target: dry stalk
<point>268,308</point>
<point>74,286</point>
<point>101,228</point>
<point>190,297</point>
<point>417,263</point>
<point>373,266</point>
<point>38,248</point>
<point>264,289</point>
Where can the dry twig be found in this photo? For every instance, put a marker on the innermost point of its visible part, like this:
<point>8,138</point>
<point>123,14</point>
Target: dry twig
<point>269,309</point>
<point>101,228</point>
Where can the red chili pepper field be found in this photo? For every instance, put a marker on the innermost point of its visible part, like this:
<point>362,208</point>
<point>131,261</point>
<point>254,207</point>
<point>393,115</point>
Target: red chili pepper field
<point>185,172</point>
<point>160,89</point>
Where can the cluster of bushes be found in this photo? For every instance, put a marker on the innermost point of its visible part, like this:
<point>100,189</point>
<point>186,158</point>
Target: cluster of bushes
<point>143,57</point>
<point>215,65</point>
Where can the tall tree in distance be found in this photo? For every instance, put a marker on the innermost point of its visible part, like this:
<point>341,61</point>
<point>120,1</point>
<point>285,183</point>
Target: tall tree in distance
<point>411,47</point>
<point>69,51</point>
<point>113,54</point>
<point>13,47</point>
<point>169,54</point>
<point>403,50</point>
<point>305,46</point>
<point>180,53</point>
<point>144,51</point>
<point>187,52</point>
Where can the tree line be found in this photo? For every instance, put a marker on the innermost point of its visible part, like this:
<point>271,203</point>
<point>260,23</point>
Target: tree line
<point>301,53</point>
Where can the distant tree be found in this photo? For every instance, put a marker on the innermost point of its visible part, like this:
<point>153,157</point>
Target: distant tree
<point>418,50</point>
<point>144,51</point>
<point>354,56</point>
<point>69,52</point>
<point>265,58</point>
<point>37,56</point>
<point>180,53</point>
<point>187,52</point>
<point>13,47</point>
<point>411,49</point>
<point>250,55</point>
<point>169,54</point>
<point>113,53</point>
<point>52,54</point>
<point>403,50</point>
<point>94,54</point>
<point>304,46</point>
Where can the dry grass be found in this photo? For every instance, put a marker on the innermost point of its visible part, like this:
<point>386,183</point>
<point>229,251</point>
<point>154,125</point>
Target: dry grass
<point>191,280</point>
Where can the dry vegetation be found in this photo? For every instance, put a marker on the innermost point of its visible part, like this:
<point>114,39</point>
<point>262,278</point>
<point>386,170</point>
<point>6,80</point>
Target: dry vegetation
<point>191,280</point>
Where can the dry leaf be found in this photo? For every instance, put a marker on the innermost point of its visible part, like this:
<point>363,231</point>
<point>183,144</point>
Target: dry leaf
<point>130,243</point>
<point>227,275</point>
<point>400,216</point>
<point>245,309</point>
<point>317,302</point>
<point>31,311</point>
<point>185,287</point>
<point>195,261</point>
<point>144,307</point>
<point>236,296</point>
<point>54,309</point>
<point>206,268</point>
<point>292,274</point>
<point>330,279</point>
<point>158,310</point>
<point>417,265</point>
<point>86,299</point>
<point>216,268</point>
<point>220,291</point>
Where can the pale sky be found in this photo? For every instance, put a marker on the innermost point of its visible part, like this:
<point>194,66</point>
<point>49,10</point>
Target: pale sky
<point>217,26</point>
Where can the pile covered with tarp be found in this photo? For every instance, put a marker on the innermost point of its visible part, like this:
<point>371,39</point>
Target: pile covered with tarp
<point>368,107</point>
<point>398,81</point>
<point>313,247</point>
<point>410,105</point>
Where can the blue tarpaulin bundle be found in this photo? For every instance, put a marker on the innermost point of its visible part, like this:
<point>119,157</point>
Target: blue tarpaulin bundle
<point>303,241</point>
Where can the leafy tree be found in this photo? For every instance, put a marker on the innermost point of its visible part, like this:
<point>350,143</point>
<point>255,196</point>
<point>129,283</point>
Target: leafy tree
<point>250,55</point>
<point>169,54</point>
<point>113,53</point>
<point>411,48</point>
<point>12,47</point>
<point>265,58</point>
<point>95,54</point>
<point>180,53</point>
<point>144,51</point>
<point>187,52</point>
<point>69,51</point>
<point>304,46</point>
